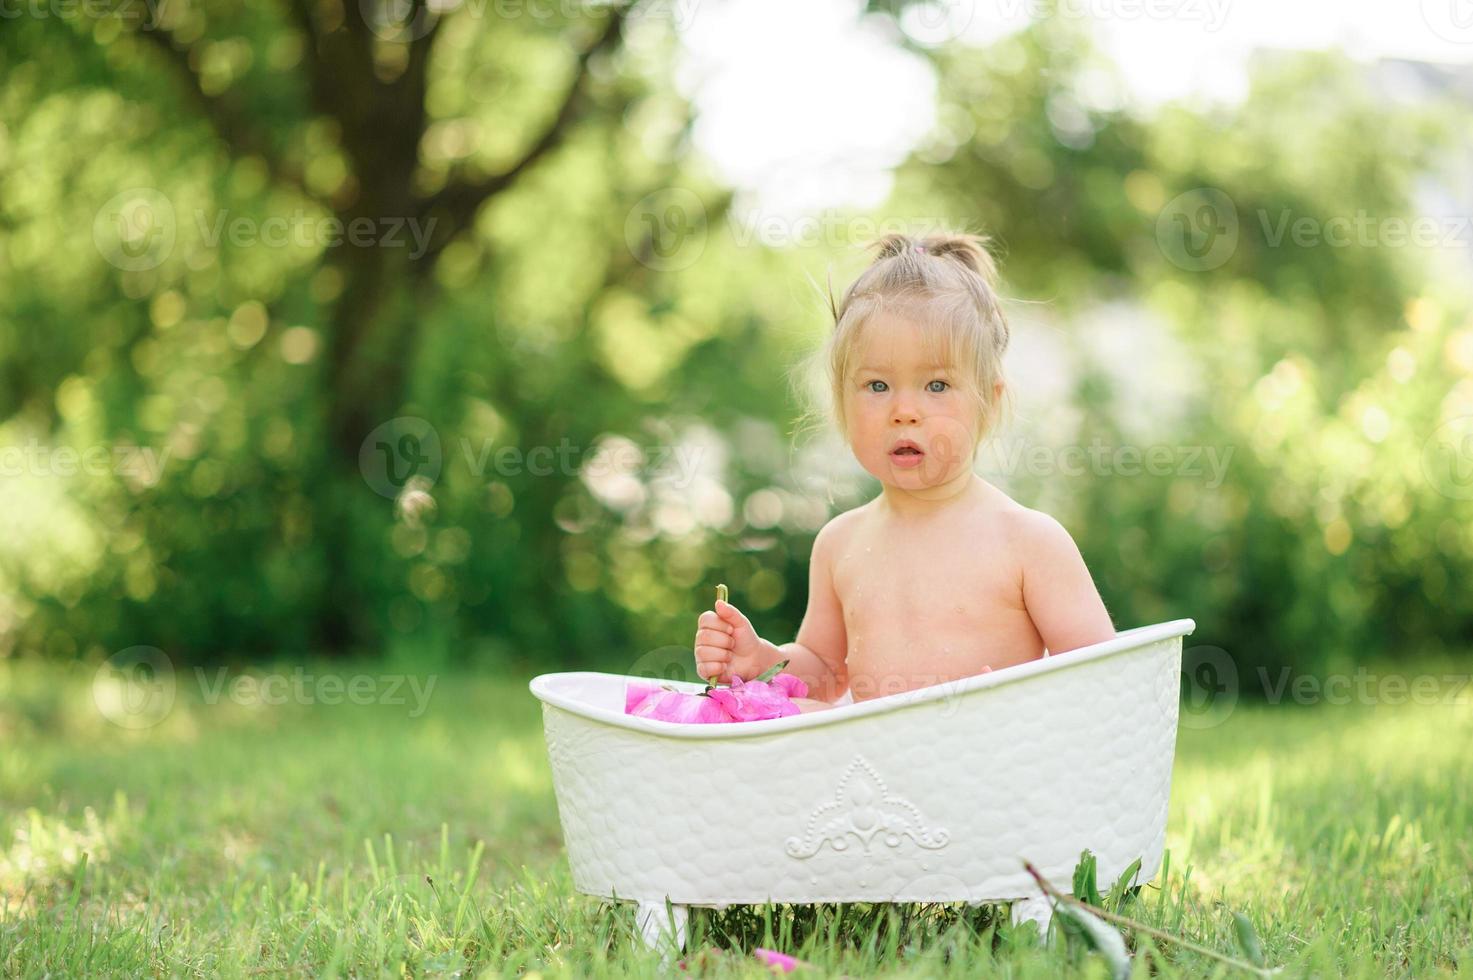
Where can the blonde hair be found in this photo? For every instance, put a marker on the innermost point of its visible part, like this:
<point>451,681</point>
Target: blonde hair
<point>947,284</point>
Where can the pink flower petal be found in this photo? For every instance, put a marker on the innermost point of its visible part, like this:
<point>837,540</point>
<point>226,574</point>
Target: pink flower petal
<point>781,962</point>
<point>635,692</point>
<point>791,685</point>
<point>743,701</point>
<point>755,701</point>
<point>680,707</point>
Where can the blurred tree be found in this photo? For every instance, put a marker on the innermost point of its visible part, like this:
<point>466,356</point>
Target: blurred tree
<point>570,292</point>
<point>367,77</point>
<point>381,118</point>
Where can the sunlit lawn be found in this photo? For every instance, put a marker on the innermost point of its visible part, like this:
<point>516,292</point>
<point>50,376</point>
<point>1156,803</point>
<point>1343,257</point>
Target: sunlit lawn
<point>309,839</point>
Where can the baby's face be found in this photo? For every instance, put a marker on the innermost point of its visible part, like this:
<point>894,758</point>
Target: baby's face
<point>910,422</point>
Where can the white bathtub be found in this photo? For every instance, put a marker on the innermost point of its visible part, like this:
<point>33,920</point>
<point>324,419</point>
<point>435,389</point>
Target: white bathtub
<point>933,795</point>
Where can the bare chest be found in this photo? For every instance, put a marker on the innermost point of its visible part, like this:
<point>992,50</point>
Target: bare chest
<point>926,608</point>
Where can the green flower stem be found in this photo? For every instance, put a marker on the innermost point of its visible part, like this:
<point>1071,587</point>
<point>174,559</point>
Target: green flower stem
<point>1109,916</point>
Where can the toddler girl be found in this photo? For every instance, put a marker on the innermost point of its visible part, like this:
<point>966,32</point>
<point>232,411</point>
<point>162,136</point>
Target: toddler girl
<point>942,575</point>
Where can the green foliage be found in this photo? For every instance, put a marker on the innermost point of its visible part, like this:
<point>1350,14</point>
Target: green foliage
<point>536,321</point>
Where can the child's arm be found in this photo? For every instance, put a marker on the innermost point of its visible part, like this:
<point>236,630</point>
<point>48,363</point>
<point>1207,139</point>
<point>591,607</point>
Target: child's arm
<point>1058,591</point>
<point>819,656</point>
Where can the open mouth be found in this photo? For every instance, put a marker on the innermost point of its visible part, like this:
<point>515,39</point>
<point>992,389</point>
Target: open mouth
<point>906,453</point>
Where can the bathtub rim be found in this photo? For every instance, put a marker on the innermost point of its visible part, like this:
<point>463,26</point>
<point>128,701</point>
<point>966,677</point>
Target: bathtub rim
<point>543,686</point>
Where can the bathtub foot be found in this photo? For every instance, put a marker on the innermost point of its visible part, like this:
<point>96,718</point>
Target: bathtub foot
<point>1035,908</point>
<point>656,925</point>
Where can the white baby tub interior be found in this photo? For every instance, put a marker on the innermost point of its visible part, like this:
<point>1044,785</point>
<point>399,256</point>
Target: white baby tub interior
<point>932,795</point>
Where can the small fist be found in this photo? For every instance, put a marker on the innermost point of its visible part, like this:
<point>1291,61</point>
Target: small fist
<point>726,644</point>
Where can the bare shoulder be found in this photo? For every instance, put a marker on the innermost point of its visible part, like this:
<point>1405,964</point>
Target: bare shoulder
<point>1037,539</point>
<point>835,534</point>
<point>1029,528</point>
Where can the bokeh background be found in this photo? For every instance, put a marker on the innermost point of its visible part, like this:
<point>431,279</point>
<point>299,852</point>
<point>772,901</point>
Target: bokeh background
<point>463,336</point>
<point>361,359</point>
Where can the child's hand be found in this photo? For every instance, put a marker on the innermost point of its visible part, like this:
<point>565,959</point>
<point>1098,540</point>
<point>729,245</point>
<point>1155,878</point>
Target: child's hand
<point>727,644</point>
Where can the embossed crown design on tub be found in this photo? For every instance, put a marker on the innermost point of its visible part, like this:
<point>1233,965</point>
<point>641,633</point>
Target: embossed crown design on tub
<point>859,802</point>
<point>863,808</point>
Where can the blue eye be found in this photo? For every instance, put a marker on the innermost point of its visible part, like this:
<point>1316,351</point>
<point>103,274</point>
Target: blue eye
<point>944,385</point>
<point>883,387</point>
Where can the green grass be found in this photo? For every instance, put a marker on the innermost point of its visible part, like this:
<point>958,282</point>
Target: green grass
<point>303,839</point>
